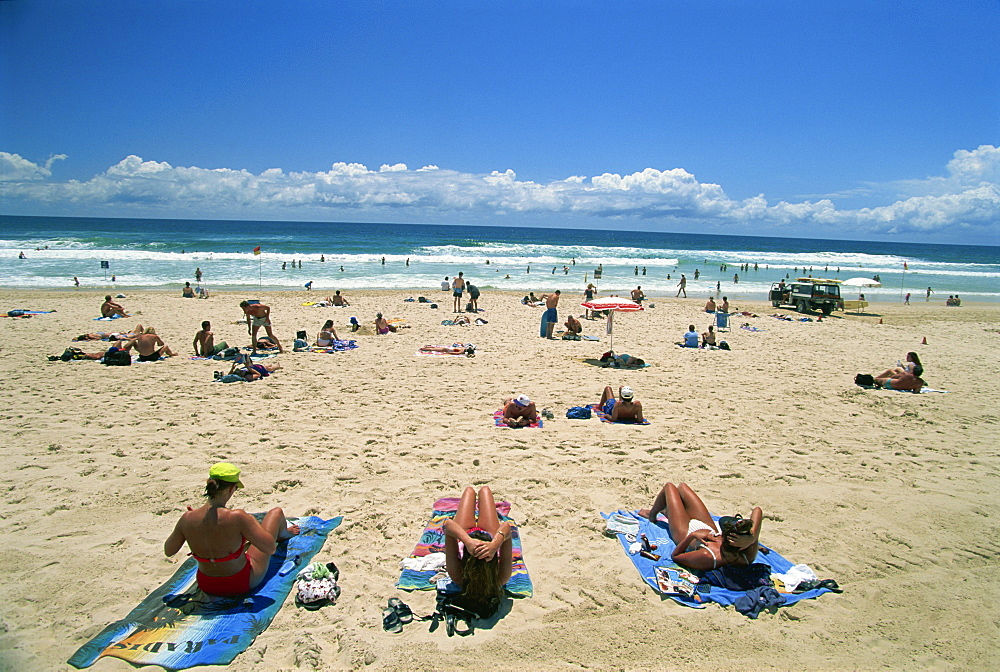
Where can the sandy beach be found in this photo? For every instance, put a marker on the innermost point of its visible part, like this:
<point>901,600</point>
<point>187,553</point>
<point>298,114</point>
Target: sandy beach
<point>892,494</point>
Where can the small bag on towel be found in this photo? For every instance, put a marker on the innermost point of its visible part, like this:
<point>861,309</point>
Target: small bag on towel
<point>579,413</point>
<point>864,380</point>
<point>317,586</point>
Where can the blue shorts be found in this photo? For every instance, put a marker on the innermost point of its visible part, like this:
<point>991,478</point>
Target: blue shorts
<point>609,406</point>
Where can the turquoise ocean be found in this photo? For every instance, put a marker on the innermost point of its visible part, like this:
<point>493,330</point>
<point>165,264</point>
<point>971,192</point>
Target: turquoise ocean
<point>164,253</point>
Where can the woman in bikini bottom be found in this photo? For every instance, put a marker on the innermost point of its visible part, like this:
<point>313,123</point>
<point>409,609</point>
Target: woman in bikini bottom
<point>212,529</point>
<point>701,544</point>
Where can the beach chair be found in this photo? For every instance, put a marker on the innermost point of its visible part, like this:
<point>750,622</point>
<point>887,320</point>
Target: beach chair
<point>721,322</point>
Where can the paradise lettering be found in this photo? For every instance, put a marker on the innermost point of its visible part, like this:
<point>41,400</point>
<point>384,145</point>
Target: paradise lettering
<point>189,646</point>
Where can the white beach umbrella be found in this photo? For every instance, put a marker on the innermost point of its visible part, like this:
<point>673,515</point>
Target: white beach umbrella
<point>861,282</point>
<point>613,304</point>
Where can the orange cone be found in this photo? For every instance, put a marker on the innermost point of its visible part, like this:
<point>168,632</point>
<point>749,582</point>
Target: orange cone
<point>924,342</point>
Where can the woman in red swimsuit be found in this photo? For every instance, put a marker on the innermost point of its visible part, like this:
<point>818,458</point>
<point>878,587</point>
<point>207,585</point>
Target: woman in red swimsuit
<point>217,537</point>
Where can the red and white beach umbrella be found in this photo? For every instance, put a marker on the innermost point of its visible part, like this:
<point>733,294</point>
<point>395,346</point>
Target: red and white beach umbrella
<point>613,304</point>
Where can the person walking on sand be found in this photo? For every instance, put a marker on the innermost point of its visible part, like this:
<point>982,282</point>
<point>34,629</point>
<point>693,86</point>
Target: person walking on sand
<point>551,314</point>
<point>682,287</point>
<point>259,316</point>
<point>457,287</point>
<point>906,301</point>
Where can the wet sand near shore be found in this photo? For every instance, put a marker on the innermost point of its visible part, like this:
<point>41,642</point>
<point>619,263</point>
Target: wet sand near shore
<point>892,494</point>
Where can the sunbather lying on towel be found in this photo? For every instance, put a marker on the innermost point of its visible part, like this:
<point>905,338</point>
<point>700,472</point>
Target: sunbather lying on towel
<point>249,371</point>
<point>212,532</point>
<point>624,409</point>
<point>901,381</point>
<point>701,544</point>
<point>483,563</point>
<point>519,411</point>
<point>110,335</point>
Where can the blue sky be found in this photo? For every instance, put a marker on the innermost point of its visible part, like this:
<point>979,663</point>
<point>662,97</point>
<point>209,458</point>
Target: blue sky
<point>856,120</point>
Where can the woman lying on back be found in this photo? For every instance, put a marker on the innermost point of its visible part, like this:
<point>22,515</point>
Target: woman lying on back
<point>701,544</point>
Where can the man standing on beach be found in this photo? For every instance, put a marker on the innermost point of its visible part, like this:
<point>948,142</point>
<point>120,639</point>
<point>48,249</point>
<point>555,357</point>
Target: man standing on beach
<point>457,287</point>
<point>929,292</point>
<point>551,314</point>
<point>259,316</point>
<point>473,296</point>
<point>907,301</point>
<point>682,286</point>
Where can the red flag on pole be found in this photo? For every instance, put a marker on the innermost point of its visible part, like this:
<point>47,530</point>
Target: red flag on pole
<point>905,267</point>
<point>256,250</point>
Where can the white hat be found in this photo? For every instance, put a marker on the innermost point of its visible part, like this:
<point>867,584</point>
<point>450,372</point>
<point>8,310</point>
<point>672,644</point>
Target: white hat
<point>522,400</point>
<point>627,392</point>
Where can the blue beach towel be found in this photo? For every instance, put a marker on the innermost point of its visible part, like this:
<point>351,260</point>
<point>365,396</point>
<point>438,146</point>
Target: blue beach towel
<point>104,319</point>
<point>177,626</point>
<point>659,534</point>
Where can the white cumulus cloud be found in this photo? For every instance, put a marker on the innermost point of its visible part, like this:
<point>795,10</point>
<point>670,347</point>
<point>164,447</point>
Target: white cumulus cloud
<point>966,198</point>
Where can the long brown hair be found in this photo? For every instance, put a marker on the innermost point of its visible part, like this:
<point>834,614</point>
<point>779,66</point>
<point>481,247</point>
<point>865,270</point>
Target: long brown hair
<point>481,580</point>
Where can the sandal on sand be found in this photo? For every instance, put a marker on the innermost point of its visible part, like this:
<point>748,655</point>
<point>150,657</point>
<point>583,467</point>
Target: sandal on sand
<point>401,610</point>
<point>391,622</point>
<point>451,626</point>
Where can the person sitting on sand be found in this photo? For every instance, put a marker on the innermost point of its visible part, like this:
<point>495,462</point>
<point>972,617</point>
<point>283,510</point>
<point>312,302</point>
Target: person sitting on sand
<point>327,335</point>
<point>218,536</point>
<point>337,300</point>
<point>724,308</point>
<point>204,341</point>
<point>901,381</point>
<point>250,371</point>
<point>110,336</point>
<point>149,346</point>
<point>382,327</point>
<point>573,329</point>
<point>637,295</point>
<point>701,544</point>
<point>710,305</point>
<point>109,308</point>
<point>478,551</point>
<point>912,365</point>
<point>623,409</point>
<point>188,291</point>
<point>519,411</point>
<point>690,338</point>
<point>708,337</point>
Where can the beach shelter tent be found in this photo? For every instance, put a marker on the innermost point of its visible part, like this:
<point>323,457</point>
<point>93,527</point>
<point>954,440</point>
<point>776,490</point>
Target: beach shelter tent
<point>613,304</point>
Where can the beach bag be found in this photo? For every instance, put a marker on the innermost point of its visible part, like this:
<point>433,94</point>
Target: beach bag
<point>316,586</point>
<point>300,344</point>
<point>579,413</point>
<point>117,358</point>
<point>70,353</point>
<point>228,353</point>
<point>421,299</point>
<point>864,380</point>
<point>724,346</point>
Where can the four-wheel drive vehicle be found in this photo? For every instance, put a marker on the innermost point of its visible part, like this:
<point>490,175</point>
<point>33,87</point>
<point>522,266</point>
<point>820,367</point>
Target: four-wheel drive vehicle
<point>807,294</point>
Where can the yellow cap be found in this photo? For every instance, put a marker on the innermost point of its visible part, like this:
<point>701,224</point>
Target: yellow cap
<point>223,471</point>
